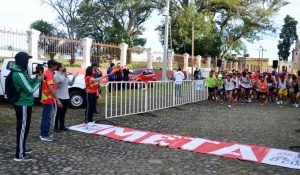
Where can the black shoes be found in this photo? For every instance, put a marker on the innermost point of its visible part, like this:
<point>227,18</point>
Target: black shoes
<point>56,130</point>
<point>97,113</point>
<point>64,129</point>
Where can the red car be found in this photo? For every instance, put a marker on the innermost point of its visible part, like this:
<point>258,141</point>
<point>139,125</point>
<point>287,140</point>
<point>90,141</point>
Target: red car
<point>143,74</point>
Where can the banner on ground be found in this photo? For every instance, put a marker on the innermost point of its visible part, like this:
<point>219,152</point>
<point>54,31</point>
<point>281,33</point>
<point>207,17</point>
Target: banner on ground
<point>278,157</point>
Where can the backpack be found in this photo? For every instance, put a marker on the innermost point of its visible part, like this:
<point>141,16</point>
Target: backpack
<point>11,93</point>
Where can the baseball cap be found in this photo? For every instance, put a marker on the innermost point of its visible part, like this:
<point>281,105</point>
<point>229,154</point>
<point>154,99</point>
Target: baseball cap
<point>22,55</point>
<point>51,63</point>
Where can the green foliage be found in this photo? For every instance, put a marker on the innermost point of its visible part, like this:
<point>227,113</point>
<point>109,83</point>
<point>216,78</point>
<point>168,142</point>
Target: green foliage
<point>227,23</point>
<point>44,27</point>
<point>287,37</point>
<point>114,21</point>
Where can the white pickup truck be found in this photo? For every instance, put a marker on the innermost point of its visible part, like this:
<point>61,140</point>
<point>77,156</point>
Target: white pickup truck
<point>77,91</point>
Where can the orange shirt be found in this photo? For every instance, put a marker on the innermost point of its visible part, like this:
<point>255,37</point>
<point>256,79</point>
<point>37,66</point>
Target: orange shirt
<point>90,86</point>
<point>263,86</point>
<point>47,98</point>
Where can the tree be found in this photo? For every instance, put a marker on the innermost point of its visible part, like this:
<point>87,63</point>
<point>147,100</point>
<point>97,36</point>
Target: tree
<point>44,27</point>
<point>115,21</point>
<point>67,11</point>
<point>287,37</point>
<point>234,21</point>
<point>47,46</point>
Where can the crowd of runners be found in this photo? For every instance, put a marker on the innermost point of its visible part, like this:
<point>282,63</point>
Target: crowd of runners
<point>246,87</point>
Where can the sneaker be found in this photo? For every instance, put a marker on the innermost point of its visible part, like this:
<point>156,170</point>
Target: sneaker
<point>278,102</point>
<point>47,139</point>
<point>91,123</point>
<point>24,159</point>
<point>229,106</point>
<point>249,101</point>
<point>296,105</point>
<point>28,151</point>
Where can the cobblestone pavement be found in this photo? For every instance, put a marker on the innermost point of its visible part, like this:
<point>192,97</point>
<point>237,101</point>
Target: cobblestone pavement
<point>78,153</point>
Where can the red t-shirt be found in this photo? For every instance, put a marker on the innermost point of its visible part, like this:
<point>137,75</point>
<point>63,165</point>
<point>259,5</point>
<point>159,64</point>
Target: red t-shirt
<point>47,98</point>
<point>90,86</point>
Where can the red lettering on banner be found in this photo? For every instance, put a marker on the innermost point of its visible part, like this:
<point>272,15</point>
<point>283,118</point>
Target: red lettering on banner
<point>125,134</point>
<point>196,142</point>
<point>163,140</point>
<point>237,151</point>
<point>265,155</point>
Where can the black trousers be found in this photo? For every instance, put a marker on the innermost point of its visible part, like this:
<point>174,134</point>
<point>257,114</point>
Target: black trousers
<point>90,106</point>
<point>59,120</point>
<point>23,115</point>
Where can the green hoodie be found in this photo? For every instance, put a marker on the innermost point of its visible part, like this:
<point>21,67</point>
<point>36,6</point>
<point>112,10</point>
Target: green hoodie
<point>25,86</point>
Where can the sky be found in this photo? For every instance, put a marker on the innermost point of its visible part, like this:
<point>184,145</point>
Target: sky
<point>19,14</point>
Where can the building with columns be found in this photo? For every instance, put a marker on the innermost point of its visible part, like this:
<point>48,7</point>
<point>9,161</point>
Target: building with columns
<point>248,62</point>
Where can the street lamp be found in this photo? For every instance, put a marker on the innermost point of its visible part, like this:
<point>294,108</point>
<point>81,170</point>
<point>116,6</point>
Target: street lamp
<point>166,40</point>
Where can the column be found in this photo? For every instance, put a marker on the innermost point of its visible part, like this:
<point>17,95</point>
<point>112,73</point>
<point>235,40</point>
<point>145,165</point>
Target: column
<point>123,55</point>
<point>185,61</point>
<point>33,37</point>
<point>170,59</point>
<point>198,57</point>
<point>149,58</point>
<point>87,44</point>
<point>231,65</point>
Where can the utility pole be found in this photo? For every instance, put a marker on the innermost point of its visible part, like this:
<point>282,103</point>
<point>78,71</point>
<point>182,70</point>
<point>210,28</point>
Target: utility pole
<point>166,40</point>
<point>193,46</point>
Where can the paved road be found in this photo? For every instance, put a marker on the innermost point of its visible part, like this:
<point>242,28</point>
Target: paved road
<point>78,153</point>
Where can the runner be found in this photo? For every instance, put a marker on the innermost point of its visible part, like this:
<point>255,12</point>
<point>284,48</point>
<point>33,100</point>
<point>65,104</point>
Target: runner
<point>221,88</point>
<point>283,92</point>
<point>271,87</point>
<point>236,90</point>
<point>211,83</point>
<point>245,87</point>
<point>254,83</point>
<point>229,87</point>
<point>263,90</point>
<point>295,91</point>
<point>298,93</point>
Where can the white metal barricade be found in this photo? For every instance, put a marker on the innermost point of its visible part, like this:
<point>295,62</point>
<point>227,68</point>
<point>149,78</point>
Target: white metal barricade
<point>127,98</point>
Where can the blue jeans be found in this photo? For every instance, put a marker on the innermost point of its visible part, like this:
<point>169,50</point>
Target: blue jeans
<point>46,119</point>
<point>178,90</point>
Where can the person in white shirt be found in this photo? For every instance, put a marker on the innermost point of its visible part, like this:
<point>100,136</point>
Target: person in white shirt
<point>229,88</point>
<point>62,91</point>
<point>178,78</point>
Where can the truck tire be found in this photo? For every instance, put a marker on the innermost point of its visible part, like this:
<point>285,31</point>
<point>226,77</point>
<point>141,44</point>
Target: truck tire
<point>77,99</point>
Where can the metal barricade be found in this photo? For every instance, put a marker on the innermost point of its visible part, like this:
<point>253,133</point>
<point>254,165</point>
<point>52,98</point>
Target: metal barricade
<point>127,98</point>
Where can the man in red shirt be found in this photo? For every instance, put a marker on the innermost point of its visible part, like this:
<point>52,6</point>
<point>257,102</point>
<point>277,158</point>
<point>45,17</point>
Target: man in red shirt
<point>48,100</point>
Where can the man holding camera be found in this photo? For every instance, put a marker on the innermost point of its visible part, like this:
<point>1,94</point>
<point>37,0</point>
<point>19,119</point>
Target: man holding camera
<point>23,106</point>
